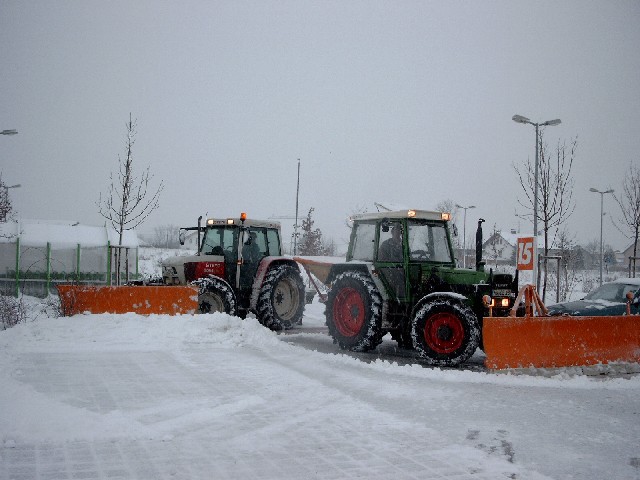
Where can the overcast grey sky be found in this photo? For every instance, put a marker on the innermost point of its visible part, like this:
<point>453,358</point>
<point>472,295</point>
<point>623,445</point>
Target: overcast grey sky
<point>383,101</point>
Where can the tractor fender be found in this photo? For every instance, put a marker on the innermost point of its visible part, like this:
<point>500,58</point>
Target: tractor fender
<point>439,295</point>
<point>265,264</point>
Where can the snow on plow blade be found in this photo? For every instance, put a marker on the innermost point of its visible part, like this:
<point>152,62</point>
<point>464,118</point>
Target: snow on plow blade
<point>145,300</point>
<point>562,341</point>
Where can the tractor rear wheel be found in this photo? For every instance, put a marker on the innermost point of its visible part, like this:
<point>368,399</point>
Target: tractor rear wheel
<point>281,298</point>
<point>215,295</point>
<point>445,332</point>
<point>354,312</point>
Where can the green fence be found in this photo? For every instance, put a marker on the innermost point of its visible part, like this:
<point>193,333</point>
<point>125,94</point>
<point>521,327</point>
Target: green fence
<point>34,270</point>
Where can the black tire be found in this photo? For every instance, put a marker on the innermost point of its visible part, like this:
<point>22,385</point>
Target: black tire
<point>281,298</point>
<point>354,312</point>
<point>215,295</point>
<point>445,332</point>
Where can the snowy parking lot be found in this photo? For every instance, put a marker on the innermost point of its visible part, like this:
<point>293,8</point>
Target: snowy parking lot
<point>213,396</point>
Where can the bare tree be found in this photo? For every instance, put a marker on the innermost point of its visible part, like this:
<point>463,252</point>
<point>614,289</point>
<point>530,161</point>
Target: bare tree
<point>495,246</point>
<point>629,202</point>
<point>166,236</point>
<point>593,250</point>
<point>555,194</point>
<point>6,207</point>
<point>568,268</point>
<point>449,206</point>
<point>128,202</point>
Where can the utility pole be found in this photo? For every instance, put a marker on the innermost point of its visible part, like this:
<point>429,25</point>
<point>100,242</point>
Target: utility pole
<point>295,227</point>
<point>602,194</point>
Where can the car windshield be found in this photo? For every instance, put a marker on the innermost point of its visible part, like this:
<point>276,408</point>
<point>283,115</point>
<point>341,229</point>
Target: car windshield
<point>612,292</point>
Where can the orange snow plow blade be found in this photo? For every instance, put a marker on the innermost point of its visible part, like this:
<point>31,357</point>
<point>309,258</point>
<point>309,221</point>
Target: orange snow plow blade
<point>520,342</point>
<point>145,300</point>
<point>563,341</point>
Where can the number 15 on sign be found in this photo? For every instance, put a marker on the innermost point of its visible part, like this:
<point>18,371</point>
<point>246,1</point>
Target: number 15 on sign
<point>526,253</point>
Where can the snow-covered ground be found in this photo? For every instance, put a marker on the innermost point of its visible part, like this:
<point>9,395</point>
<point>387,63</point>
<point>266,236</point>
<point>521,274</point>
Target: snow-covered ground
<point>213,396</point>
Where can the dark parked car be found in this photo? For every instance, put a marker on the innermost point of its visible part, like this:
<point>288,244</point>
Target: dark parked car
<point>607,299</point>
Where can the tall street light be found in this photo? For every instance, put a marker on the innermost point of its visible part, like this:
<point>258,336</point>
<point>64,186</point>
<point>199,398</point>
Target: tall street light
<point>464,234</point>
<point>525,120</point>
<point>595,190</point>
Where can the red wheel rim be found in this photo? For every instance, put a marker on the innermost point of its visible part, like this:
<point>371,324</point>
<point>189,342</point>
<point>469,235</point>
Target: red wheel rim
<point>444,333</point>
<point>348,312</point>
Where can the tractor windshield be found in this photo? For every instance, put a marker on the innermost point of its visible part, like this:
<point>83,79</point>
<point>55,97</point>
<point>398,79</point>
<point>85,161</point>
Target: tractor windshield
<point>220,241</point>
<point>428,241</point>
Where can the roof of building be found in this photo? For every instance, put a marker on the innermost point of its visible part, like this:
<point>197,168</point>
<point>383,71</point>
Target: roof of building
<point>58,234</point>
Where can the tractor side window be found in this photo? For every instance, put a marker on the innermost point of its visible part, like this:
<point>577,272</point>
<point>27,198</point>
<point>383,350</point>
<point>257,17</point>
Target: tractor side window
<point>273,243</point>
<point>254,245</point>
<point>363,244</point>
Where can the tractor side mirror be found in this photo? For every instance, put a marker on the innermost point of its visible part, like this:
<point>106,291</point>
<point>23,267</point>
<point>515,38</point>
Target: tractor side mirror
<point>455,230</point>
<point>181,237</point>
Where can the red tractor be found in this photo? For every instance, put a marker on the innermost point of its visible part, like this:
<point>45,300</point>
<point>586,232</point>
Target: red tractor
<point>239,268</point>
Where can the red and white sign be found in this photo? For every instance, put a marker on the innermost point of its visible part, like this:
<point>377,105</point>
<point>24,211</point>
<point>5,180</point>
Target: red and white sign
<point>526,256</point>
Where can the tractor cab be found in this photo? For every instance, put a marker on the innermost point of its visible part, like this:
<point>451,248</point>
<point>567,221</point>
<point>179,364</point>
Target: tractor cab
<point>235,246</point>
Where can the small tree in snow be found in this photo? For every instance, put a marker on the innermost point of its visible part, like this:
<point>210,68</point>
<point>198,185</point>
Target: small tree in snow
<point>311,243</point>
<point>128,202</point>
<point>6,207</point>
<point>555,189</point>
<point>629,202</point>
<point>568,264</point>
<point>495,246</point>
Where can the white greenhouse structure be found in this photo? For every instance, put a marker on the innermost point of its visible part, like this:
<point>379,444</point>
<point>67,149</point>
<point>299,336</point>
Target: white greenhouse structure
<point>36,254</point>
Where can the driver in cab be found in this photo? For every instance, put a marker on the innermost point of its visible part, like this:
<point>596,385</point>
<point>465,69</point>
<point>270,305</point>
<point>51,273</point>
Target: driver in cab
<point>391,249</point>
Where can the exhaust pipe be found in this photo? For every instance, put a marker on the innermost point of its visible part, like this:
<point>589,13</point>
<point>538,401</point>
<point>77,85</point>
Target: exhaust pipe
<point>479,262</point>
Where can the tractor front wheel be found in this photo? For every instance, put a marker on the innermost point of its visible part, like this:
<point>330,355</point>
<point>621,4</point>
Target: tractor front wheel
<point>281,298</point>
<point>354,312</point>
<point>215,295</point>
<point>445,332</point>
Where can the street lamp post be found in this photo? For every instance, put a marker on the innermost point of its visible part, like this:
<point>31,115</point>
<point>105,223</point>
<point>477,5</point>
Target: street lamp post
<point>464,234</point>
<point>525,120</point>
<point>602,194</point>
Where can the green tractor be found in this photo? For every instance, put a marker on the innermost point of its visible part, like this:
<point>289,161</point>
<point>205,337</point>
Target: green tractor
<point>239,268</point>
<point>400,277</point>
